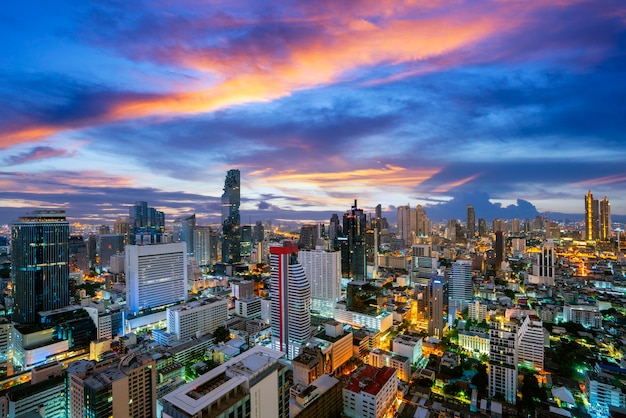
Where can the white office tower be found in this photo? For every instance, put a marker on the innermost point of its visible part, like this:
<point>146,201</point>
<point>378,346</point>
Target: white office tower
<point>531,345</point>
<point>503,360</point>
<point>544,265</point>
<point>196,318</point>
<point>460,286</point>
<point>323,268</point>
<point>290,300</point>
<point>253,384</point>
<point>156,275</point>
<point>477,311</point>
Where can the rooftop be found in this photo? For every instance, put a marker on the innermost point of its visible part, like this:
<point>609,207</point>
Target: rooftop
<point>370,379</point>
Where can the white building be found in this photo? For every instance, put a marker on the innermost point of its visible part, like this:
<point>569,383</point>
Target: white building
<point>531,342</point>
<point>474,342</point>
<point>544,265</point>
<point>248,307</point>
<point>253,384</point>
<point>604,387</point>
<point>323,269</point>
<point>587,315</point>
<point>503,338</point>
<point>380,322</point>
<point>6,337</point>
<point>370,392</point>
<point>290,300</point>
<point>383,358</point>
<point>460,285</point>
<point>407,346</point>
<point>477,311</point>
<point>197,318</point>
<point>156,275</point>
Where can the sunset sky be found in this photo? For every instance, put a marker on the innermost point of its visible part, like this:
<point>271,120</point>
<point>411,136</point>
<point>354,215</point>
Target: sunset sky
<point>316,102</point>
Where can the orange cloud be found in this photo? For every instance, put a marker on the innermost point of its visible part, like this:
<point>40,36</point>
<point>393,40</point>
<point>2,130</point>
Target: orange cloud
<point>444,188</point>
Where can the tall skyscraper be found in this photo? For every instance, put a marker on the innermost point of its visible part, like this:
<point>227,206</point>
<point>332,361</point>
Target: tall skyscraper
<point>500,248</point>
<point>231,222</point>
<point>422,222</point>
<point>435,302</point>
<point>110,245</point>
<point>146,224</point>
<point>471,222</point>
<point>460,286</point>
<point>290,300</point>
<point>353,252</point>
<point>482,227</point>
<point>183,232</point>
<point>605,219</point>
<point>592,219</point>
<point>205,245</point>
<point>323,269</point>
<point>40,272</point>
<point>156,275</point>
<point>404,224</point>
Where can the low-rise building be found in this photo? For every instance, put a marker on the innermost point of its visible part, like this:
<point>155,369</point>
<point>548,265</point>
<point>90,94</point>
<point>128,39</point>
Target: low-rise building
<point>370,392</point>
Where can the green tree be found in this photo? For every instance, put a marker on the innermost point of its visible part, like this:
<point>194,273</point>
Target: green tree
<point>452,389</point>
<point>481,379</point>
<point>221,334</point>
<point>531,392</point>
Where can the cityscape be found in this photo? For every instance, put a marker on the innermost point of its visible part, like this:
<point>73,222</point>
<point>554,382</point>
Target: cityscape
<point>353,317</point>
<point>396,209</point>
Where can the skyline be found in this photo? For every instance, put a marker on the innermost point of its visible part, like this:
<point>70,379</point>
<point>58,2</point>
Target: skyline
<point>386,102</point>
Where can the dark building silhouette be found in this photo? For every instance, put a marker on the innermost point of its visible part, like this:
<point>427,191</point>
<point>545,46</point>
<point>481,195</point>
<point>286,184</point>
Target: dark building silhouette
<point>146,224</point>
<point>40,272</point>
<point>471,222</point>
<point>183,232</point>
<point>353,251</point>
<point>231,200</point>
<point>79,259</point>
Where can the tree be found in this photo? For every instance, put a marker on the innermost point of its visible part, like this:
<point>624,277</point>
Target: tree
<point>221,334</point>
<point>531,392</point>
<point>481,379</point>
<point>452,389</point>
<point>423,382</point>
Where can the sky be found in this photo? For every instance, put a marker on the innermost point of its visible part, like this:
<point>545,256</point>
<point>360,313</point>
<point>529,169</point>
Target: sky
<point>512,104</point>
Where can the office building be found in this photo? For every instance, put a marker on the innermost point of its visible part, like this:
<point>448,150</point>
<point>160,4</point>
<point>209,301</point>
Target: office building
<point>123,387</point>
<point>231,222</point>
<point>471,222</point>
<point>323,269</point>
<point>205,245</point>
<point>184,232</point>
<point>604,386</point>
<point>197,318</point>
<point>146,224</point>
<point>482,227</point>
<point>404,224</point>
<point>605,219</point>
<point>353,248</point>
<point>253,384</point>
<point>334,345</point>
<point>290,293</point>
<point>422,223</point>
<point>531,342</point>
<point>40,264</point>
<point>476,343</point>
<point>407,346</point>
<point>249,307</point>
<point>461,286</point>
<point>592,217</point>
<point>544,265</point>
<point>78,257</point>
<point>156,275</point>
<point>322,398</point>
<point>477,311</point>
<point>6,343</point>
<point>370,392</point>
<point>309,236</point>
<point>384,358</point>
<point>435,303</point>
<point>110,245</point>
<point>500,249</point>
<point>503,350</point>
<point>44,394</point>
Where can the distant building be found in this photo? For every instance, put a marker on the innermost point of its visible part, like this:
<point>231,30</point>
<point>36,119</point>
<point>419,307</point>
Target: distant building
<point>110,245</point>
<point>592,217</point>
<point>471,222</point>
<point>460,286</point>
<point>184,232</point>
<point>605,219</point>
<point>146,224</point>
<point>231,222</point>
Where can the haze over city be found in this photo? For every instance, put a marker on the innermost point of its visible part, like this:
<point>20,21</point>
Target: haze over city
<point>317,103</point>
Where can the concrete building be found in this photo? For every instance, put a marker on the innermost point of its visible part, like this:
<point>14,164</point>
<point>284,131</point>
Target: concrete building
<point>130,381</point>
<point>474,342</point>
<point>323,269</point>
<point>253,385</point>
<point>477,311</point>
<point>435,302</point>
<point>156,275</point>
<point>381,321</point>
<point>587,315</point>
<point>604,386</point>
<point>503,346</point>
<point>407,346</point>
<point>460,285</point>
<point>249,307</point>
<point>383,358</point>
<point>322,398</point>
<point>370,392</point>
<point>197,318</point>
<point>531,342</point>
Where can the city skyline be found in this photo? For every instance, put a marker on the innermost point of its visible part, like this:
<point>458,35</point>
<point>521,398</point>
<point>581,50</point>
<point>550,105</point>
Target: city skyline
<point>510,103</point>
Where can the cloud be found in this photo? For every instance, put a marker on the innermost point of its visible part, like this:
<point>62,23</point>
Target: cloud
<point>39,153</point>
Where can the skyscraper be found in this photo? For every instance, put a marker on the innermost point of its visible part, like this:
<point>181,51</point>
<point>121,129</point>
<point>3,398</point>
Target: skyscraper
<point>323,269</point>
<point>353,253</point>
<point>471,222</point>
<point>460,286</point>
<point>503,348</point>
<point>605,219</point>
<point>290,300</point>
<point>435,296</point>
<point>146,223</point>
<point>40,272</point>
<point>183,232</point>
<point>592,221</point>
<point>205,245</point>
<point>231,199</point>
<point>422,222</point>
<point>404,224</point>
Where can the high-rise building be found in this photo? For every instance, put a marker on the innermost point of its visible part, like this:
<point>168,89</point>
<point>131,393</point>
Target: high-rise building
<point>290,300</point>
<point>460,286</point>
<point>605,219</point>
<point>78,257</point>
<point>482,227</point>
<point>231,222</point>
<point>503,349</point>
<point>205,245</point>
<point>544,265</point>
<point>258,232</point>
<point>323,269</point>
<point>110,245</point>
<point>353,251</point>
<point>530,342</point>
<point>370,392</point>
<point>435,302</point>
<point>500,248</point>
<point>123,387</point>
<point>309,235</point>
<point>156,275</point>
<point>422,222</point>
<point>253,385</point>
<point>40,271</point>
<point>404,224</point>
<point>471,222</point>
<point>184,232</point>
<point>146,224</point>
<point>592,217</point>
